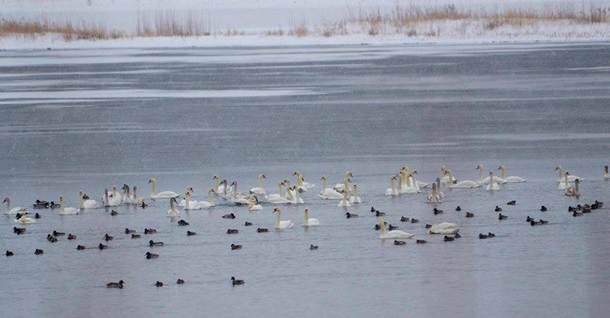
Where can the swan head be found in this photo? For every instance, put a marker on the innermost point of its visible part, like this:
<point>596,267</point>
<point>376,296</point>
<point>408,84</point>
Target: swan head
<point>558,168</point>
<point>296,173</point>
<point>501,167</point>
<point>490,173</point>
<point>262,176</point>
<point>443,168</point>
<point>224,181</point>
<point>61,198</point>
<point>6,200</point>
<point>151,180</point>
<point>413,172</point>
<point>323,178</point>
<point>210,190</point>
<point>276,210</point>
<point>479,167</point>
<point>215,177</point>
<point>190,189</point>
<point>349,174</point>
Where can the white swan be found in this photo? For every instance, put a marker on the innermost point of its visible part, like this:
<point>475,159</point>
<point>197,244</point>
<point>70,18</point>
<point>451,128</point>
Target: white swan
<point>87,204</point>
<point>355,198</point>
<point>344,203</point>
<point>438,188</point>
<point>260,190</point>
<point>310,221</point>
<point>392,189</point>
<point>492,186</point>
<point>340,187</point>
<point>253,205</point>
<point>301,184</point>
<point>281,225</point>
<point>278,198</point>
<point>466,184</point>
<point>444,178</point>
<point>14,210</point>
<point>433,196</point>
<point>195,205</point>
<point>444,228</point>
<point>573,191</point>
<point>219,186</point>
<point>110,201</point>
<point>511,179</point>
<point>173,212</point>
<point>606,174</point>
<point>565,184</point>
<point>238,198</point>
<point>296,199</point>
<point>329,193</point>
<point>116,195</point>
<point>66,210</point>
<point>24,219</point>
<point>571,178</point>
<point>128,197</point>
<point>190,190</point>
<point>485,180</point>
<point>394,234</point>
<point>161,195</point>
<point>411,187</point>
<point>137,200</point>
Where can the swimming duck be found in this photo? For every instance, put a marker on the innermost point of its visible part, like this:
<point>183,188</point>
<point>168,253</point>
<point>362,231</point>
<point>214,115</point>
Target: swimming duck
<point>469,214</point>
<point>392,227</point>
<point>350,215</point>
<point>502,217</point>
<point>71,236</point>
<point>128,231</point>
<point>159,284</point>
<point>180,281</point>
<point>491,234</point>
<point>115,285</point>
<point>228,216</point>
<point>543,209</point>
<point>448,239</point>
<point>404,219</point>
<point>235,247</point>
<point>102,246</point>
<point>51,238</point>
<point>183,223</point>
<point>232,231</point>
<point>150,231</point>
<point>313,247</point>
<point>396,242</point>
<point>379,213</point>
<point>9,253</point>
<point>248,223</point>
<point>513,202</point>
<point>236,281</point>
<point>421,241</point>
<point>19,230</point>
<point>135,236</point>
<point>458,208</point>
<point>152,243</point>
<point>108,237</point>
<point>437,211</point>
<point>483,236</point>
<point>80,247</point>
<point>38,252</point>
<point>150,255</point>
<point>261,230</point>
<point>189,233</point>
<point>414,220</point>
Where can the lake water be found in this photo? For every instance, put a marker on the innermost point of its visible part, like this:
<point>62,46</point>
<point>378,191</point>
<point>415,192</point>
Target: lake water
<point>90,119</point>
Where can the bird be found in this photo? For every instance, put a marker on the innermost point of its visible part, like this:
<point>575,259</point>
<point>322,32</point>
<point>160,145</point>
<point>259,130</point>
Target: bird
<point>80,247</point>
<point>108,237</point>
<point>102,246</point>
<point>235,281</point>
<point>150,231</point>
<point>38,252</point>
<point>66,210</point>
<point>135,236</point>
<point>350,215</point>
<point>448,238</point>
<point>344,203</point>
<point>502,217</point>
<point>309,221</point>
<point>189,233</point>
<point>9,253</point>
<point>87,203</point>
<point>180,281</point>
<point>115,285</point>
<point>183,223</point>
<point>14,210</point>
<point>329,193</point>
<point>159,284</point>
<point>392,189</point>
<point>18,230</point>
<point>248,223</point>
<point>498,209</point>
<point>543,209</point>
<point>465,184</point>
<point>173,211</point>
<point>513,202</point>
<point>355,197</point>
<point>253,204</point>
<point>395,234</point>
<point>458,209</point>
<point>228,216</point>
<point>301,184</point>
<point>421,241</point>
<point>444,228</point>
<point>483,236</point>
<point>232,231</point>
<point>150,255</point>
<point>396,242</point>
<point>437,211</point>
<point>152,243</point>
<point>571,178</point>
<point>260,190</point>
<point>281,225</point>
<point>261,230</point>
<point>161,195</point>
<point>469,214</point>
<point>23,219</point>
<point>492,186</point>
<point>404,219</point>
<point>606,173</point>
<point>573,190</point>
<point>511,179</point>
<point>313,247</point>
<point>235,247</point>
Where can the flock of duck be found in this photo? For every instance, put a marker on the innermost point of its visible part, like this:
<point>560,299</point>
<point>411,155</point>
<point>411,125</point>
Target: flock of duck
<point>345,192</point>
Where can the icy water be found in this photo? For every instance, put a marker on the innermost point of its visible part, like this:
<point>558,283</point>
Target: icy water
<point>90,119</point>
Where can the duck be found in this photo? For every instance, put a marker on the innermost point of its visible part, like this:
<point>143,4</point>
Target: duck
<point>228,216</point>
<point>150,231</point>
<point>498,209</point>
<point>571,178</point>
<point>345,202</point>
<point>448,238</point>
<point>183,223</point>
<point>260,190</point>
<point>513,202</point>
<point>40,204</point>
<point>606,173</point>
<point>502,217</point>
<point>421,241</point>
<point>18,230</point>
<point>108,237</point>
<point>150,255</point>
<point>102,246</point>
<point>235,247</point>
<point>392,191</point>
<point>80,247</point>
<point>38,252</point>
<point>313,247</point>
<point>351,215</point>
<point>115,285</point>
<point>482,236</point>
<point>253,205</point>
<point>128,231</point>
<point>309,221</point>
<point>248,223</point>
<point>444,228</point>
<point>573,191</point>
<point>281,225</point>
<point>23,219</point>
<point>395,234</point>
<point>14,210</point>
<point>261,230</point>
<point>152,243</point>
<point>392,227</point>
<point>466,184</point>
<point>491,234</point>
<point>159,284</point>
<point>161,195</point>
<point>404,219</point>
<point>458,209</point>
<point>437,211</point>
<point>189,233</point>
<point>232,231</point>
<point>180,281</point>
<point>114,212</point>
<point>469,214</point>
<point>414,220</point>
<point>136,236</point>
<point>235,281</point>
<point>396,242</point>
<point>492,186</point>
<point>355,198</point>
<point>511,179</point>
<point>173,212</point>
<point>379,213</point>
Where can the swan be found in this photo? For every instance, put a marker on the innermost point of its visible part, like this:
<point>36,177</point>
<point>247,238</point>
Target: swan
<point>14,210</point>
<point>161,195</point>
<point>394,234</point>
<point>24,219</point>
<point>210,202</point>
<point>573,191</point>
<point>492,186</point>
<point>281,225</point>
<point>173,212</point>
<point>411,187</point>
<point>137,200</point>
<point>65,211</point>
<point>301,184</point>
<point>296,197</point>
<point>444,228</point>
<point>392,189</point>
<point>485,180</point>
<point>511,179</point>
<point>433,196</point>
<point>219,186</point>
<point>340,187</point>
<point>116,195</point>
<point>128,197</point>
<point>278,198</point>
<point>606,174</point>
<point>253,205</point>
<point>571,178</point>
<point>444,176</point>
<point>259,190</point>
<point>565,184</point>
<point>310,221</point>
<point>190,190</point>
<point>466,184</point>
<point>110,201</point>
<point>344,203</point>
<point>87,204</point>
<point>190,205</point>
<point>438,188</point>
<point>329,193</point>
<point>238,198</point>
<point>355,198</point>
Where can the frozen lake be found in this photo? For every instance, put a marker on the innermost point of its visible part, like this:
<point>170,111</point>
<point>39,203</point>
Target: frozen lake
<point>89,119</point>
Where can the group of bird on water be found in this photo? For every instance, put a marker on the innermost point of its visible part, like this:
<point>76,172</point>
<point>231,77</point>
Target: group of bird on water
<point>346,192</point>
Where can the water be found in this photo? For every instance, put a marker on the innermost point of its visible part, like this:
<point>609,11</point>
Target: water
<point>90,119</point>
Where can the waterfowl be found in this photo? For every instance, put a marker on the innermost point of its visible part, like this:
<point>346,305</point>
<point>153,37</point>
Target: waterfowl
<point>379,213</point>
<point>565,184</point>
<point>114,212</point>
<point>350,215</point>
<point>396,242</point>
<point>23,219</point>
<point>414,220</point>
<point>395,234</point>
<point>152,243</point>
<point>51,238</point>
<point>344,203</point>
<point>428,226</point>
<point>80,247</point>
<point>529,219</point>
<point>573,191</point>
<point>280,225</point>
<point>421,241</point>
<point>260,190</point>
<point>313,247</point>
<point>150,231</point>
<point>115,285</point>
<point>577,213</point>
<point>14,210</point>
<point>159,284</point>
<point>238,198</point>
<point>40,204</point>
<point>457,235</point>
<point>189,204</point>
<point>344,187</point>
<point>128,231</point>
<point>392,189</point>
<point>253,205</point>
<point>18,230</point>
<point>543,209</point>
<point>513,202</point>
<point>66,210</point>
<point>404,219</point>
<point>37,216</point>
<point>232,231</point>
<point>606,174</point>
<point>301,184</point>
<point>108,200</point>
<point>136,236</point>
<point>502,217</point>
<point>355,197</point>
<point>466,184</point>
<point>189,233</point>
<point>329,193</point>
<point>173,212</point>
<point>511,179</point>
<point>150,255</point>
<point>492,186</point>
<point>571,178</point>
<point>278,198</point>
<point>183,223</point>
<point>483,236</point>
<point>448,238</point>
<point>161,195</point>
<point>498,209</point>
<point>197,205</point>
<point>102,246</point>
<point>437,211</point>
<point>38,252</point>
<point>219,185</point>
<point>236,281</point>
<point>487,179</point>
<point>491,234</point>
<point>444,228</point>
<point>261,230</point>
<point>543,221</point>
<point>57,233</point>
<point>235,247</point>
<point>309,221</point>
<point>433,196</point>
<point>410,187</point>
<point>180,281</point>
<point>108,237</point>
<point>248,223</point>
<point>87,203</point>
<point>377,227</point>
<point>392,227</point>
<point>458,208</point>
<point>469,214</point>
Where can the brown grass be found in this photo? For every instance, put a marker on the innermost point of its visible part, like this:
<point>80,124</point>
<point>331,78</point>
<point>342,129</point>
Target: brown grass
<point>69,31</point>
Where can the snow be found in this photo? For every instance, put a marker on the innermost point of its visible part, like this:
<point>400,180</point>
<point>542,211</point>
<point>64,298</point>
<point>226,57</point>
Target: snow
<point>254,20</point>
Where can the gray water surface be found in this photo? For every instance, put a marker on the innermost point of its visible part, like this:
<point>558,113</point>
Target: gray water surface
<point>90,119</point>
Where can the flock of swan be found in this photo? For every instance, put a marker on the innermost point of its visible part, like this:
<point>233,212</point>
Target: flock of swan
<point>345,192</point>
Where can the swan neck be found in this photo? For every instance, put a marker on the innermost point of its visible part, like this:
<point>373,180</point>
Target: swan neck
<point>260,182</point>
<point>502,172</point>
<point>277,219</point>
<point>210,197</point>
<point>392,186</point>
<point>306,217</point>
<point>481,174</point>
<point>188,202</point>
<point>154,188</point>
<point>216,184</point>
<point>281,190</point>
<point>382,229</point>
<point>400,182</point>
<point>81,201</point>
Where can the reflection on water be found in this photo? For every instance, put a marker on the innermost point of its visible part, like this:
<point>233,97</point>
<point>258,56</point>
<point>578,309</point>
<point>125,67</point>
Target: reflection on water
<point>88,120</point>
